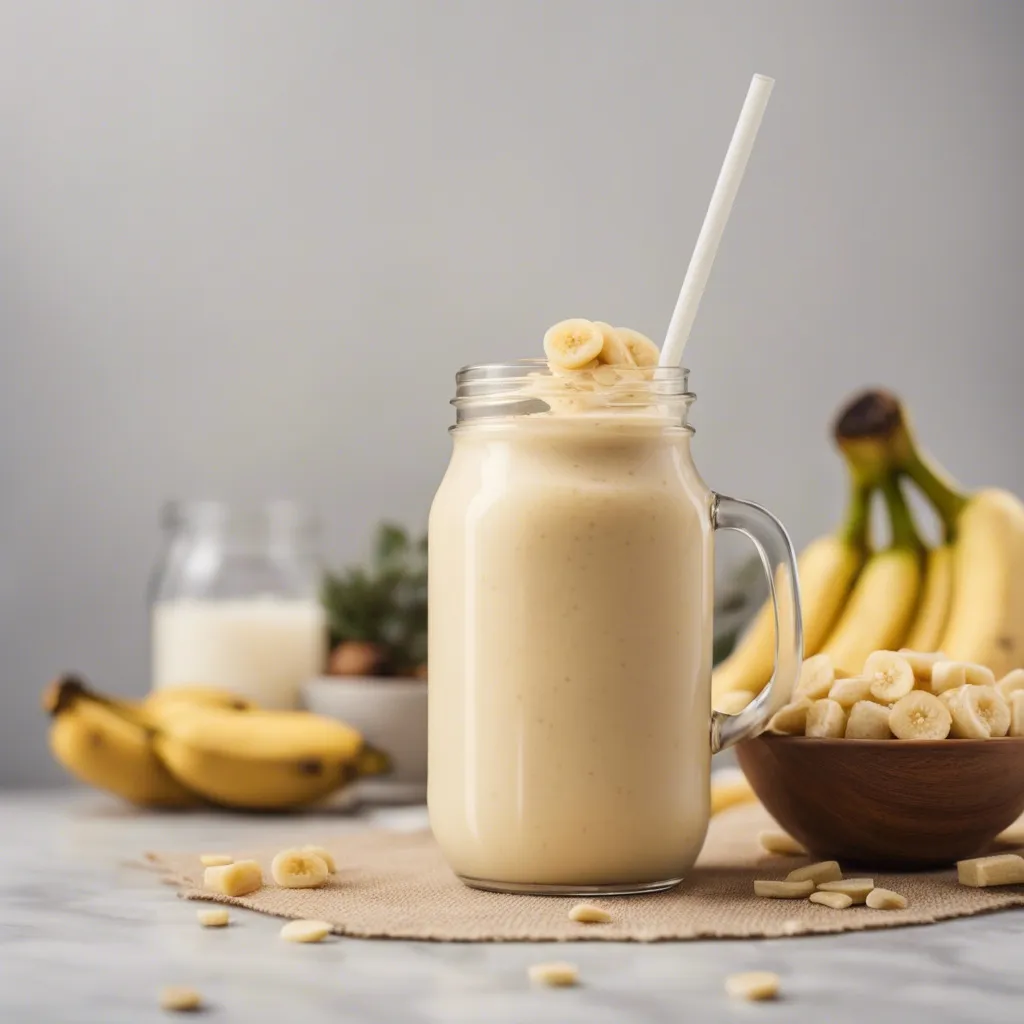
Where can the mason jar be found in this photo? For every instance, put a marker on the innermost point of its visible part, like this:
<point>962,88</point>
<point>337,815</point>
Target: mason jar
<point>235,600</point>
<point>571,568</point>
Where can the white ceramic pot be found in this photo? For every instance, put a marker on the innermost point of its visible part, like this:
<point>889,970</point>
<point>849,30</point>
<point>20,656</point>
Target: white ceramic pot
<point>392,715</point>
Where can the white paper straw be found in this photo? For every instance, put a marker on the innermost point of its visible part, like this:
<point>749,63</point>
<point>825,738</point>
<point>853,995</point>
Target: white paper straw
<point>717,217</point>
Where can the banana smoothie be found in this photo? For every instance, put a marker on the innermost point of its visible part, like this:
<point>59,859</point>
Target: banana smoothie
<point>570,637</point>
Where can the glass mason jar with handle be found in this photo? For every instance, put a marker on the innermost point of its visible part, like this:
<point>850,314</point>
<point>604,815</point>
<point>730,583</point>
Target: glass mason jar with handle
<point>571,578</point>
<point>235,601</point>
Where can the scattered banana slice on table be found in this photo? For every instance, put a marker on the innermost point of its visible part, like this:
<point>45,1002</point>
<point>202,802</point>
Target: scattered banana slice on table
<point>1001,869</point>
<point>885,899</point>
<point>215,917</point>
<point>774,890</point>
<point>236,879</point>
<point>305,931</point>
<point>835,900</point>
<point>557,974</point>
<point>587,913</point>
<point>298,869</point>
<point>823,871</point>
<point>754,986</point>
<point>180,999</point>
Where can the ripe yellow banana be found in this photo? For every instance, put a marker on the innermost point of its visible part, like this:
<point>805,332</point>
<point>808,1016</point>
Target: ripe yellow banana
<point>827,568</point>
<point>159,704</point>
<point>986,618</point>
<point>929,623</point>
<point>102,743</point>
<point>985,623</point>
<point>885,597</point>
<point>264,760</point>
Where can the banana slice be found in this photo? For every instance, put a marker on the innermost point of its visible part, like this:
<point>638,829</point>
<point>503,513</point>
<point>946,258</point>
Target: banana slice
<point>826,720</point>
<point>217,917</point>
<point>305,931</point>
<point>572,344</point>
<point>1012,682</point>
<point>614,352</point>
<point>733,702</point>
<point>587,913</point>
<point>1017,713</point>
<point>886,899</point>
<point>920,715</point>
<point>992,706</point>
<point>215,860</point>
<point>237,879</point>
<point>981,872</point>
<point>558,974</point>
<point>817,674</point>
<point>868,721</point>
<point>296,869</point>
<point>950,675</point>
<point>771,890</point>
<point>791,719</point>
<point>890,674</point>
<point>823,871</point>
<point>180,999</point>
<point>922,663</point>
<point>325,855</point>
<point>847,692</point>
<point>978,712</point>
<point>856,888</point>
<point>644,352</point>
<point>754,986</point>
<point>781,843</point>
<point>835,900</point>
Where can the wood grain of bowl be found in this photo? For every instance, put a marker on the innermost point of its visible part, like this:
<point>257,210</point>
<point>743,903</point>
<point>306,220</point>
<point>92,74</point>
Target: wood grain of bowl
<point>888,803</point>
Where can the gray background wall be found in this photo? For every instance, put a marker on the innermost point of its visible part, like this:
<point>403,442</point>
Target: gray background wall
<point>244,246</point>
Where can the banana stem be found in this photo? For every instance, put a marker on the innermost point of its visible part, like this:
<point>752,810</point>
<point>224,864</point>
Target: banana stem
<point>856,528</point>
<point>904,533</point>
<point>874,433</point>
<point>938,488</point>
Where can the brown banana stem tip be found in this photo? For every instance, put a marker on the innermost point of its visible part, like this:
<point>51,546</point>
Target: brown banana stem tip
<point>871,414</point>
<point>61,693</point>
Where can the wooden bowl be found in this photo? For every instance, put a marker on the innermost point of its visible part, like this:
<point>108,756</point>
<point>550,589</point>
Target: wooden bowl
<point>888,803</point>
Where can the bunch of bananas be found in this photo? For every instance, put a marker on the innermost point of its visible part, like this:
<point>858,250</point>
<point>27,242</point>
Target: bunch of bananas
<point>190,745</point>
<point>964,597</point>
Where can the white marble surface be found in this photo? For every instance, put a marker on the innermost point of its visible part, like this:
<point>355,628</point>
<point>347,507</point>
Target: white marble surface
<point>84,937</point>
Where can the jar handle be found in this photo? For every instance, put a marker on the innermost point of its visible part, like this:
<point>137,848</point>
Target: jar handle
<point>779,560</point>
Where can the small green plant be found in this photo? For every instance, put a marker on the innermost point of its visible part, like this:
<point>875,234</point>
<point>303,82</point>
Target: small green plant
<point>377,615</point>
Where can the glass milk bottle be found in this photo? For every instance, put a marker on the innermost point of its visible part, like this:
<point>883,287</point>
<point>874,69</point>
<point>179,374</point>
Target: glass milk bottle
<point>571,578</point>
<point>235,601</point>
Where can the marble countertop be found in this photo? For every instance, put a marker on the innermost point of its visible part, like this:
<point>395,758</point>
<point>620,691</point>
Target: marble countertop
<point>87,937</point>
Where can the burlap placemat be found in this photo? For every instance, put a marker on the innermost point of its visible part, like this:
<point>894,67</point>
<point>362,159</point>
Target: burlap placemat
<point>395,885</point>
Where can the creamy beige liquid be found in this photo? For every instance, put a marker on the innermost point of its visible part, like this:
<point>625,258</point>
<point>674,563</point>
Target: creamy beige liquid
<point>570,652</point>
